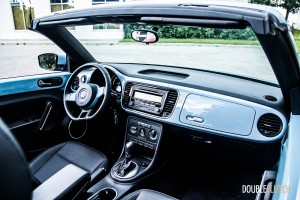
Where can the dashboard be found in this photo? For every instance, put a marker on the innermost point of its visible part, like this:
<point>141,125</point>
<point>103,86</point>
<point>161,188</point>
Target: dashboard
<point>165,96</point>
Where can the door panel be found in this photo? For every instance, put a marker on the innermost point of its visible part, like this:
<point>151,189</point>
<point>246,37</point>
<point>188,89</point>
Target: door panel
<point>34,114</point>
<point>30,83</point>
<point>288,175</point>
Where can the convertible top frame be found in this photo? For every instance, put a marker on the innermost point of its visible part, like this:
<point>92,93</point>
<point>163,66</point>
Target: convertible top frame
<point>264,20</point>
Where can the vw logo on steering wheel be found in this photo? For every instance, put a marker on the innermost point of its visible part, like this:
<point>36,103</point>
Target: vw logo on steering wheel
<point>82,94</point>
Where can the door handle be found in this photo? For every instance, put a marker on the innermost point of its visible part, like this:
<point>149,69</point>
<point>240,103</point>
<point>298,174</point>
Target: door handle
<point>195,119</point>
<point>41,83</point>
<point>49,82</point>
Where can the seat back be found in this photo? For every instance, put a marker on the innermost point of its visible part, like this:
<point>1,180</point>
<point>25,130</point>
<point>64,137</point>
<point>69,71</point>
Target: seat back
<point>15,179</point>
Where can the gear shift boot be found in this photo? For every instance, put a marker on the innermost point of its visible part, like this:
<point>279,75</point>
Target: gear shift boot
<point>126,169</point>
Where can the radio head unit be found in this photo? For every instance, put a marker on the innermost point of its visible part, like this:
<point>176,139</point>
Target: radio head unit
<point>147,99</point>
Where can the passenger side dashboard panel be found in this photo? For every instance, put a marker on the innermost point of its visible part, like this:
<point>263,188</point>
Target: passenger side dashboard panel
<point>221,114</point>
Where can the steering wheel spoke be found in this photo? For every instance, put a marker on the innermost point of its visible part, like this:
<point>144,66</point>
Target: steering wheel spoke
<point>70,97</point>
<point>100,92</point>
<point>84,114</point>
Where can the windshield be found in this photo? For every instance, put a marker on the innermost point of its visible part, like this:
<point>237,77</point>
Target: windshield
<point>229,51</point>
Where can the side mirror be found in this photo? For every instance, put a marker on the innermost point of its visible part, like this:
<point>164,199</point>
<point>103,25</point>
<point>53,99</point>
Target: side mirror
<point>144,36</point>
<point>53,62</point>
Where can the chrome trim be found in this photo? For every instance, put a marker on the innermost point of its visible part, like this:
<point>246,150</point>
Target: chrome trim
<point>76,138</point>
<point>153,138</point>
<point>131,174</point>
<point>151,85</point>
<point>255,135</point>
<point>44,122</point>
<point>21,125</point>
<point>94,195</point>
<point>195,119</point>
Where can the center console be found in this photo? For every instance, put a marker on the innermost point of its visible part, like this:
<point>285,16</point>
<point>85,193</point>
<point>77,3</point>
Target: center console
<point>138,159</point>
<point>142,140</point>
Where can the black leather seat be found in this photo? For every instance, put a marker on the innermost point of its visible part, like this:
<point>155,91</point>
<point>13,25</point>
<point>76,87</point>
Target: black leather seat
<point>146,194</point>
<point>16,179</point>
<point>54,159</point>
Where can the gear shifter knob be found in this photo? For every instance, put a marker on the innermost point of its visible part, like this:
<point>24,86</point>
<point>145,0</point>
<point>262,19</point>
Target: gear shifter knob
<point>129,149</point>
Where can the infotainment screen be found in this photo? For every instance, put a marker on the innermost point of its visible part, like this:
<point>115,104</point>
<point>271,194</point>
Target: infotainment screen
<point>147,97</point>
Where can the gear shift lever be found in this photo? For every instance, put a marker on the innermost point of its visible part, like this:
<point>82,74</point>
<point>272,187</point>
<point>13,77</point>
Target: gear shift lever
<point>125,165</point>
<point>129,149</point>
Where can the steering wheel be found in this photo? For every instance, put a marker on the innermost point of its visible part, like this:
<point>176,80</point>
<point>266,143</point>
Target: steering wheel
<point>90,99</point>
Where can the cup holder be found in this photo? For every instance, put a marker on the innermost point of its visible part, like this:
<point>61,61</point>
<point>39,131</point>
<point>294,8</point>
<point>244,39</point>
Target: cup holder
<point>105,194</point>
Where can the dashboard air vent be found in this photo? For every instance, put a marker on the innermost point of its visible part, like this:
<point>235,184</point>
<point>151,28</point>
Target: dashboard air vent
<point>170,103</point>
<point>126,93</point>
<point>269,125</point>
<point>75,84</point>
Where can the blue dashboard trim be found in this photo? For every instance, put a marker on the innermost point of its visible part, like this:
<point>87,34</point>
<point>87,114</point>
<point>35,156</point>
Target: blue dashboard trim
<point>29,83</point>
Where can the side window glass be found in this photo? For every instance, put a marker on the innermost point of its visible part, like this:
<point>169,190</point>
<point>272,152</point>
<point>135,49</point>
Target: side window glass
<point>22,60</point>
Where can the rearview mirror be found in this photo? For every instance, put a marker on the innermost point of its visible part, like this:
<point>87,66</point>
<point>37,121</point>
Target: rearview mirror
<point>144,36</point>
<point>53,62</point>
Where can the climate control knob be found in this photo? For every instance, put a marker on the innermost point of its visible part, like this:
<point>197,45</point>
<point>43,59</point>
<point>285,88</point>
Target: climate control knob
<point>142,132</point>
<point>133,128</point>
<point>157,109</point>
<point>153,134</point>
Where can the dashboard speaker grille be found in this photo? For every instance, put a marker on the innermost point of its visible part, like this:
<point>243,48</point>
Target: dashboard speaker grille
<point>269,125</point>
<point>170,103</point>
<point>126,93</point>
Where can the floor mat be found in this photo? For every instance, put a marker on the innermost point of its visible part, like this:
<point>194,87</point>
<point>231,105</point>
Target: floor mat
<point>212,179</point>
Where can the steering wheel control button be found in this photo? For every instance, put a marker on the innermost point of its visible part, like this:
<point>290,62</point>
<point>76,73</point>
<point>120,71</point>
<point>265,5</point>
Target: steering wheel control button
<point>153,134</point>
<point>142,132</point>
<point>133,128</point>
<point>84,79</point>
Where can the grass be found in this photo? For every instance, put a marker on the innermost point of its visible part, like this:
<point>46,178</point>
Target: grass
<point>296,34</point>
<point>298,44</point>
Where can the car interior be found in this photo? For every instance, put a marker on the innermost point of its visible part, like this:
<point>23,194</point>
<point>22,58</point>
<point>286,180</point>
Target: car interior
<point>112,130</point>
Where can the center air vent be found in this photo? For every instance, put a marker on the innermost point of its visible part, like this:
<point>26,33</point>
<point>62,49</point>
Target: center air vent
<point>75,84</point>
<point>126,93</point>
<point>269,125</point>
<point>170,103</point>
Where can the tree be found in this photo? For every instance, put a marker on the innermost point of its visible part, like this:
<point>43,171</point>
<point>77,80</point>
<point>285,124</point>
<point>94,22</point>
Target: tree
<point>291,6</point>
<point>267,2</point>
